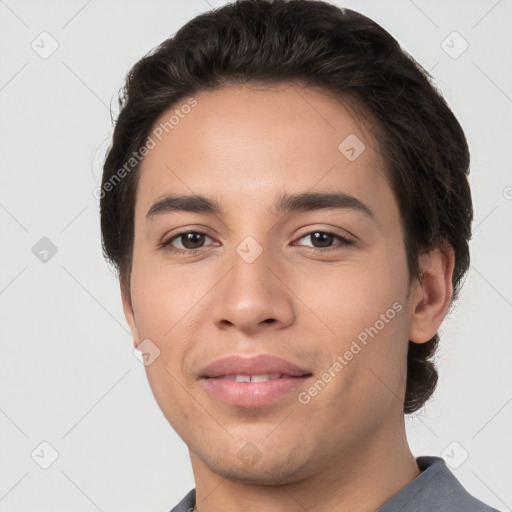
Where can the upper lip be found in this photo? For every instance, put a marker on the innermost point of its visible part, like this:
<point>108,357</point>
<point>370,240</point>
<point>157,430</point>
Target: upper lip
<point>256,365</point>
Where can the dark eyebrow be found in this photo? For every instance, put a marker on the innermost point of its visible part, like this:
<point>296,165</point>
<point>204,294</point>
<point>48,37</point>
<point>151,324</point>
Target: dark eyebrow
<point>192,203</point>
<point>310,201</point>
<point>286,203</point>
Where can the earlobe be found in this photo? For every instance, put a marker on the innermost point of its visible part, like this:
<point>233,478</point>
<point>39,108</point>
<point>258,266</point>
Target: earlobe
<point>129,314</point>
<point>429,305</point>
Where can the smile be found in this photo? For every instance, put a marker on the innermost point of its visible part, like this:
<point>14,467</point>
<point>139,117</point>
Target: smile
<point>253,391</point>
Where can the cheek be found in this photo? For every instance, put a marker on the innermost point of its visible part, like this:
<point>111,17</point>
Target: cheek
<point>165,308</point>
<point>353,296</point>
<point>368,357</point>
<point>364,307</point>
<point>367,324</point>
<point>158,306</point>
<point>164,298</point>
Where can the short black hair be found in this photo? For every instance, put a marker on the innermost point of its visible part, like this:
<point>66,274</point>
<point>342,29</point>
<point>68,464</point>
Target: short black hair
<point>344,53</point>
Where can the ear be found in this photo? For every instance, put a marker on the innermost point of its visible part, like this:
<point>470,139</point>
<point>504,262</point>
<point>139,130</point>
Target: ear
<point>129,314</point>
<point>431,296</point>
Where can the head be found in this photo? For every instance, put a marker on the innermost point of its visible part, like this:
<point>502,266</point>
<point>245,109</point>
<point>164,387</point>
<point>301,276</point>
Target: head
<point>245,105</point>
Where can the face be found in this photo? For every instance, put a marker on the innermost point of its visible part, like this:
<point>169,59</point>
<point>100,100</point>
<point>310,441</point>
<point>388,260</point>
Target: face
<point>314,282</point>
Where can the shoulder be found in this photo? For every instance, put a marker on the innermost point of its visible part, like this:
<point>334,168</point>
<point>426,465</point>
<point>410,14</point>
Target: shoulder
<point>436,488</point>
<point>187,503</point>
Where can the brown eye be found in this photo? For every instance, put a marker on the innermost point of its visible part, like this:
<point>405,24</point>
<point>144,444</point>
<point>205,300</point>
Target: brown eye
<point>190,241</point>
<point>322,240</point>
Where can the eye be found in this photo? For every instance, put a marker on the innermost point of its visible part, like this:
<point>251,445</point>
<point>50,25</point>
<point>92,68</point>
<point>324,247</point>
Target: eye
<point>191,241</point>
<point>324,239</point>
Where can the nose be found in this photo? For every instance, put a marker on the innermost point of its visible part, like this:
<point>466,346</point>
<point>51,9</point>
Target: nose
<point>253,296</point>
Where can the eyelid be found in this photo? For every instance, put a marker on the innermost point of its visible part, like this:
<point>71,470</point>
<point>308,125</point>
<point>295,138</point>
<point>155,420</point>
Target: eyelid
<point>345,240</point>
<point>346,235</point>
<point>168,239</point>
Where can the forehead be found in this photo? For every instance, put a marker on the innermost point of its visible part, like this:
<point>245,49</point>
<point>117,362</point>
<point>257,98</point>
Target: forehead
<point>248,144</point>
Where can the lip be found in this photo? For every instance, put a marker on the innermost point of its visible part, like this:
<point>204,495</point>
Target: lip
<point>255,365</point>
<point>252,394</point>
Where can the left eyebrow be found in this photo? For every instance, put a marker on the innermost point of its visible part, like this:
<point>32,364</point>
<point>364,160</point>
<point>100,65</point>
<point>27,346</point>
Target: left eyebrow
<point>322,201</point>
<point>286,203</point>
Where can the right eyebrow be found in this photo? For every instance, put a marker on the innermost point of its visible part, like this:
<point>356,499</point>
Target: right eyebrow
<point>184,203</point>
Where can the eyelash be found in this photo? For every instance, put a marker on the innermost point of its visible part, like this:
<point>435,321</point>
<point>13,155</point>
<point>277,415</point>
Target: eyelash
<point>167,244</point>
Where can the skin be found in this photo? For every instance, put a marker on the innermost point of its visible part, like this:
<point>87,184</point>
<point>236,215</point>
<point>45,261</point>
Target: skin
<point>244,146</point>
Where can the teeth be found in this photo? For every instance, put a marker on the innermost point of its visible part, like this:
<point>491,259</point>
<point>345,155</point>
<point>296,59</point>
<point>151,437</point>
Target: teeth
<point>242,378</point>
<point>255,378</point>
<point>265,376</point>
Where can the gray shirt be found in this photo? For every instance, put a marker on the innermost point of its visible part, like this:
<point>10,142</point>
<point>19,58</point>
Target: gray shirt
<point>434,489</point>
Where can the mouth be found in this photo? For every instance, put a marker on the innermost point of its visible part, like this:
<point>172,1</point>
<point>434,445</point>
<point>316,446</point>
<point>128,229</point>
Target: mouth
<point>258,378</point>
<point>252,381</point>
<point>253,391</point>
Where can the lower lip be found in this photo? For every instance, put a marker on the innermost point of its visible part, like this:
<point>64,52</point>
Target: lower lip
<point>253,394</point>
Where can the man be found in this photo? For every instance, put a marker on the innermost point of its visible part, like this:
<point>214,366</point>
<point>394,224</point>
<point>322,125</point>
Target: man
<point>286,202</point>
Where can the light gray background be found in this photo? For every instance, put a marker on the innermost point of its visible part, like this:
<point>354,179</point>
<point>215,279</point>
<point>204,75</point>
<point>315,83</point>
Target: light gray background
<point>68,375</point>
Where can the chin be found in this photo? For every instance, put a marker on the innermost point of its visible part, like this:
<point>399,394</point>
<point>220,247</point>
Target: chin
<point>271,469</point>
